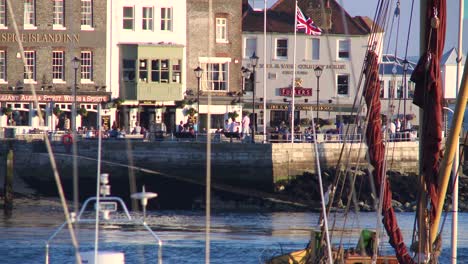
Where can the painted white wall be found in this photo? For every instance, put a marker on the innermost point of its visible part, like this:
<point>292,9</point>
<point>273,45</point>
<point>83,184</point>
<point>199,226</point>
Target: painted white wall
<point>117,35</point>
<point>305,67</point>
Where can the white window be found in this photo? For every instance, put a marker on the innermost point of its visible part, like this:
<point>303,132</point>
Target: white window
<point>166,19</point>
<point>160,70</point>
<point>30,66</point>
<point>176,71</point>
<point>29,13</point>
<point>221,30</point>
<point>129,70</point>
<point>86,66</point>
<point>215,76</point>
<point>128,17</point>
<point>281,48</point>
<point>343,84</point>
<point>58,66</point>
<point>58,14</point>
<point>3,13</point>
<point>344,49</point>
<point>143,70</point>
<point>86,14</point>
<point>313,49</point>
<point>2,66</point>
<point>147,20</point>
<point>250,47</point>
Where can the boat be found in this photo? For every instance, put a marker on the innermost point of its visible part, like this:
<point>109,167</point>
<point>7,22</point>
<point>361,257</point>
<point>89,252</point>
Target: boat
<point>107,212</point>
<point>435,164</point>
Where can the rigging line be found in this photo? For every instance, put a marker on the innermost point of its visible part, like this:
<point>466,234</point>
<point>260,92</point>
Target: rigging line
<point>324,209</point>
<point>372,35</point>
<point>47,141</point>
<point>338,171</point>
<point>98,184</point>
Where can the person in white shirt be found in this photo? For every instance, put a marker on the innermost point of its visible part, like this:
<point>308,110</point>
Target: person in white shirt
<point>245,125</point>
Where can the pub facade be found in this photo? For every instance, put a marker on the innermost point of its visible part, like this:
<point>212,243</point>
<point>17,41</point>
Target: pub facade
<point>327,66</point>
<point>36,59</point>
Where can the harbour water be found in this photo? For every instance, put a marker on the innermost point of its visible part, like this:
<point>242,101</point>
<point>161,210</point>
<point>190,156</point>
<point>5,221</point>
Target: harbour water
<point>236,237</point>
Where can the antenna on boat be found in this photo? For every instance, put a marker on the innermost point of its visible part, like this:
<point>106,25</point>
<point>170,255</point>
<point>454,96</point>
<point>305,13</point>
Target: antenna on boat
<point>143,196</point>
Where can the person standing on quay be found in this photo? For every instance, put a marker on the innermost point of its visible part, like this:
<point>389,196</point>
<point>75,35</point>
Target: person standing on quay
<point>245,125</point>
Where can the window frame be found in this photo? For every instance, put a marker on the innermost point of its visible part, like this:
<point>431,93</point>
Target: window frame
<point>339,86</point>
<point>128,69</point>
<point>343,52</point>
<point>3,14</point>
<point>166,19</point>
<point>86,13</point>
<point>247,49</point>
<point>221,30</point>
<point>128,22</point>
<point>163,74</point>
<point>147,18</point>
<point>86,66</point>
<point>3,66</point>
<point>58,66</point>
<point>29,14</point>
<point>58,18</point>
<point>278,49</point>
<point>314,49</point>
<point>30,66</point>
<point>212,83</point>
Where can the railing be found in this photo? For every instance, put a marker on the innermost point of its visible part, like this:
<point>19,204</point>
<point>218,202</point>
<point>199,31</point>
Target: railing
<point>9,133</point>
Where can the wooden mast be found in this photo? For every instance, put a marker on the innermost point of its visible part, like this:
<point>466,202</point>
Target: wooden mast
<point>421,213</point>
<point>450,148</point>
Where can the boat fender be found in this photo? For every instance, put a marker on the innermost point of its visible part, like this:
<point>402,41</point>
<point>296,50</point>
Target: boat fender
<point>67,139</point>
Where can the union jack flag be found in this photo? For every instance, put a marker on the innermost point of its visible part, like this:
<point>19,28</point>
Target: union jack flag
<point>307,24</point>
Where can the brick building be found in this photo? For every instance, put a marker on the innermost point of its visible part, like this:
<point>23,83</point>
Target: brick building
<point>38,56</point>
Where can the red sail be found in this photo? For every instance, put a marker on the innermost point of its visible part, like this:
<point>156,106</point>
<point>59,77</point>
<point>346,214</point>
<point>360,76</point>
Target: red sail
<point>428,95</point>
<point>377,157</point>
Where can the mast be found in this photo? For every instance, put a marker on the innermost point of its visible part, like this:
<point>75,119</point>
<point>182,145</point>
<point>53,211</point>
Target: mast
<point>450,146</point>
<point>293,89</point>
<point>457,151</point>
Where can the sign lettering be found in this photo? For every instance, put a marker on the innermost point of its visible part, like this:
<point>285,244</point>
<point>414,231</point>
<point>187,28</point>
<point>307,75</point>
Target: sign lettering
<point>40,37</point>
<point>298,91</point>
<point>53,98</point>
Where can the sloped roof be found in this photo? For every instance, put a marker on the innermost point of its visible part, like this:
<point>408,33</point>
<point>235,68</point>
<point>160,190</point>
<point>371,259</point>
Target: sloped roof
<point>450,57</point>
<point>280,18</point>
<point>390,62</point>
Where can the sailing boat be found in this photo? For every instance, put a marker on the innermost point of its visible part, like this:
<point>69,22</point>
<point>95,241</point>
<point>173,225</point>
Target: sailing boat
<point>434,178</point>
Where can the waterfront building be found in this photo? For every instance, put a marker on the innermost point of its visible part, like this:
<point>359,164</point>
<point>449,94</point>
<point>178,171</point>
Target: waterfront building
<point>396,88</point>
<point>52,33</point>
<point>214,43</point>
<point>339,51</point>
<point>146,60</point>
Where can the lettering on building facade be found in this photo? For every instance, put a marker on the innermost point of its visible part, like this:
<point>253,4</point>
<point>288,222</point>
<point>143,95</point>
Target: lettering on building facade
<point>40,37</point>
<point>54,98</point>
<point>298,91</point>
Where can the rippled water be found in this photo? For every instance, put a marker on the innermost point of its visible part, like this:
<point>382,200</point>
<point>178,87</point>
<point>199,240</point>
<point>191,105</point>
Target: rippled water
<point>235,237</point>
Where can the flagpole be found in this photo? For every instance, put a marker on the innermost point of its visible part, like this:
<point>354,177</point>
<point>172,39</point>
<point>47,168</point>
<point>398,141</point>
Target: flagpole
<point>457,151</point>
<point>264,70</point>
<point>293,89</point>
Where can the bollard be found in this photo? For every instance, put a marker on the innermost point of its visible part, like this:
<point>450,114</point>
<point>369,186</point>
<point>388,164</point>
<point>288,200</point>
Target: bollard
<point>8,184</point>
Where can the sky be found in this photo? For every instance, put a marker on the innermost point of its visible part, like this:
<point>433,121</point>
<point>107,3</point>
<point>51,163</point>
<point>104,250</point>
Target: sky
<point>367,8</point>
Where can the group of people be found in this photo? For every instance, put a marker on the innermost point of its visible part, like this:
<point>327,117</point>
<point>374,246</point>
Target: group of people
<point>396,127</point>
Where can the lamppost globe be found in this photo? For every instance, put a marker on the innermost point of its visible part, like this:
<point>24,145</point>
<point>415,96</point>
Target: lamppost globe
<point>318,72</point>
<point>253,62</point>
<point>198,73</point>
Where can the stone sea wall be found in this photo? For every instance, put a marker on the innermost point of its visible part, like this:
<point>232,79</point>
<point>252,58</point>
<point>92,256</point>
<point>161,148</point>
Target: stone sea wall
<point>256,166</point>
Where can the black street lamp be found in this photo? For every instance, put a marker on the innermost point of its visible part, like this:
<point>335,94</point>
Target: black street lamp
<point>198,73</point>
<point>75,64</point>
<point>253,62</point>
<point>318,72</point>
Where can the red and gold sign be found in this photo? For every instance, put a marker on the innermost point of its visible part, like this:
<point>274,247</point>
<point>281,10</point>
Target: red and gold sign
<point>298,91</point>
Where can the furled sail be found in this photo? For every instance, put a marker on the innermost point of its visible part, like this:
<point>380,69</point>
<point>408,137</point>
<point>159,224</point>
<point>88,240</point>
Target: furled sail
<point>428,95</point>
<point>376,154</point>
